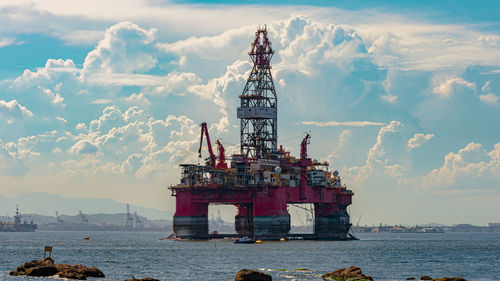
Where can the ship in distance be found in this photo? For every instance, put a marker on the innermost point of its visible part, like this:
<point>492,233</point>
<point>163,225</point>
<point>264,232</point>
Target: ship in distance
<point>18,225</point>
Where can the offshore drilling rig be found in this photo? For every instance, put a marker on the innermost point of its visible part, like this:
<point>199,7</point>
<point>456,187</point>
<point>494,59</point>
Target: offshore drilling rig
<point>263,179</point>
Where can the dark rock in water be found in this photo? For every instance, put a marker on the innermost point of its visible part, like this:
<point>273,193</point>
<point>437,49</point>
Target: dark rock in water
<point>347,274</point>
<point>143,279</point>
<point>35,263</point>
<point>425,277</point>
<point>39,268</point>
<point>46,267</point>
<point>91,271</point>
<point>411,278</point>
<point>252,275</point>
<point>69,274</point>
<point>42,271</point>
<point>450,279</point>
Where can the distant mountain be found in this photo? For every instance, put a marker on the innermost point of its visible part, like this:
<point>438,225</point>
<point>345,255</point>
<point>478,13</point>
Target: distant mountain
<point>433,224</point>
<point>47,204</point>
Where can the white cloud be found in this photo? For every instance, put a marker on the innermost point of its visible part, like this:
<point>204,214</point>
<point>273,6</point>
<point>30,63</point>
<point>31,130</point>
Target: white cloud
<point>377,162</point>
<point>446,88</point>
<point>471,168</point>
<point>486,87</point>
<point>13,109</point>
<point>62,119</point>
<point>306,44</point>
<point>341,143</point>
<point>126,48</point>
<point>490,40</point>
<point>43,90</point>
<point>101,101</point>
<point>345,123</point>
<point>490,99</point>
<point>130,143</point>
<point>81,126</point>
<point>210,47</point>
<point>418,140</point>
<point>138,99</point>
<point>83,147</point>
<point>389,98</point>
<point>82,37</point>
<point>7,41</point>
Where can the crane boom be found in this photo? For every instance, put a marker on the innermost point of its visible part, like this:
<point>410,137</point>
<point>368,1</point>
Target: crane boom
<point>221,164</point>
<point>304,163</point>
<point>204,129</point>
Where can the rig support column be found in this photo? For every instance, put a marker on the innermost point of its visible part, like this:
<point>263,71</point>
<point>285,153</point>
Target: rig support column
<point>331,221</point>
<point>243,221</point>
<point>271,220</point>
<point>190,219</point>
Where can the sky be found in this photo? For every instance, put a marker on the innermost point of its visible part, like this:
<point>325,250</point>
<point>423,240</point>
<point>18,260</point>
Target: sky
<point>104,98</point>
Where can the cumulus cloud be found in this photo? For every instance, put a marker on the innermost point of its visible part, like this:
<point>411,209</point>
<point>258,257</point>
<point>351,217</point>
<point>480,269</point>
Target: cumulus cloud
<point>389,98</point>
<point>81,126</point>
<point>43,90</point>
<point>7,41</point>
<point>472,167</point>
<point>130,143</point>
<point>13,109</point>
<point>139,99</point>
<point>307,44</point>
<point>344,123</point>
<point>446,88</point>
<point>61,119</point>
<point>82,37</point>
<point>486,87</point>
<point>377,162</point>
<point>490,99</point>
<point>418,140</point>
<point>101,101</point>
<point>84,147</point>
<point>341,143</point>
<point>126,48</point>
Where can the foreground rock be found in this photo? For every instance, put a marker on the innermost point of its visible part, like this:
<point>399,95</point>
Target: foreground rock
<point>41,268</point>
<point>252,275</point>
<point>46,267</point>
<point>425,277</point>
<point>143,279</point>
<point>347,274</point>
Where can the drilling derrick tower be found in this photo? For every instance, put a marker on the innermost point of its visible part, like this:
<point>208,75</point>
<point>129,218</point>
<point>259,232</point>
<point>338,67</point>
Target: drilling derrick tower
<point>258,111</point>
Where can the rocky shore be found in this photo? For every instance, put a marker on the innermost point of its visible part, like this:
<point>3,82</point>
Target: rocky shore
<point>46,267</point>
<point>352,273</point>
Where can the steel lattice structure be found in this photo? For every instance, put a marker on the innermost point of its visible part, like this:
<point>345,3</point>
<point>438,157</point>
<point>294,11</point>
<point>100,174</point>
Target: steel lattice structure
<point>258,111</point>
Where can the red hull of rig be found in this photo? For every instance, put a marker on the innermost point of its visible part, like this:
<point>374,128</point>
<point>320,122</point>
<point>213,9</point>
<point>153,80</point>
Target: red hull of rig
<point>262,180</point>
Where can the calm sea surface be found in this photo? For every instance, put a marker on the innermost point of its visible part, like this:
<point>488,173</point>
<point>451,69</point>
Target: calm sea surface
<point>121,255</point>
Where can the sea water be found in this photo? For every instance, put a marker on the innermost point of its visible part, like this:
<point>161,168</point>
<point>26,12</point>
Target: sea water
<point>384,256</point>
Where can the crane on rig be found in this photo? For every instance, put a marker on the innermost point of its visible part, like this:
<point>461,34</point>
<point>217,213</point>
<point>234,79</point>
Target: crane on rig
<point>221,163</point>
<point>204,130</point>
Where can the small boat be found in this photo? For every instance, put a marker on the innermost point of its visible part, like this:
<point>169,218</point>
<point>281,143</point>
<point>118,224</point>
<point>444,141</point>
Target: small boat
<point>244,240</point>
